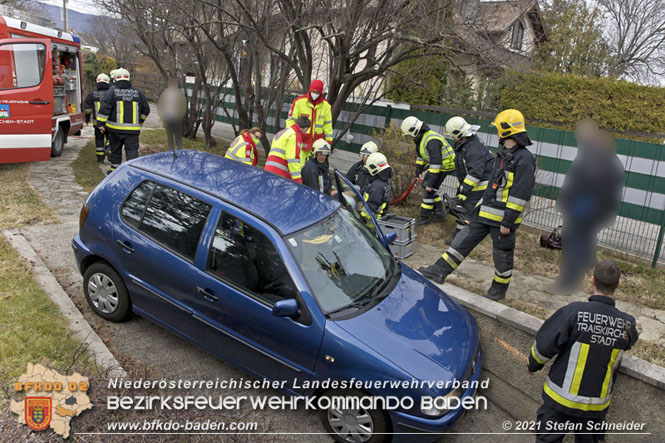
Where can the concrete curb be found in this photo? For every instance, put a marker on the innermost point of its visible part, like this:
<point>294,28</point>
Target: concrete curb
<point>630,365</point>
<point>77,323</point>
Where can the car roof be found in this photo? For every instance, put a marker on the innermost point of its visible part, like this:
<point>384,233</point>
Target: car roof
<point>286,205</point>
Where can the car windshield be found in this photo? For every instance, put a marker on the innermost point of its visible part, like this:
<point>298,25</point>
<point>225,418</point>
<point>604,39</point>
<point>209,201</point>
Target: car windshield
<point>343,263</point>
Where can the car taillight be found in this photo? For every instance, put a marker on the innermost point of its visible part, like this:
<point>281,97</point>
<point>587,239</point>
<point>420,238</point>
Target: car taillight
<point>85,210</point>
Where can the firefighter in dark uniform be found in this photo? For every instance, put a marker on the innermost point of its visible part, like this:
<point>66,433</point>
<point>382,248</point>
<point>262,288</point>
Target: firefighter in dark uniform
<point>91,107</point>
<point>431,150</point>
<point>473,167</point>
<point>500,209</point>
<point>316,172</point>
<point>588,340</point>
<point>358,174</point>
<point>377,193</point>
<point>123,111</point>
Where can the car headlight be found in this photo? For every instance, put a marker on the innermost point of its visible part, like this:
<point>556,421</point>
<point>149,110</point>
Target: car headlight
<point>442,404</point>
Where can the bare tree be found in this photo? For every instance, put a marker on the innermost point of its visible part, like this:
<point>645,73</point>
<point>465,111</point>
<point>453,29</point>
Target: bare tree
<point>636,35</point>
<point>114,37</point>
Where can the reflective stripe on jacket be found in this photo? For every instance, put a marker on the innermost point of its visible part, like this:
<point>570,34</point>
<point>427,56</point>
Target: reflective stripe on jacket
<point>433,150</point>
<point>510,187</point>
<point>320,114</point>
<point>588,340</point>
<point>243,150</point>
<point>473,166</point>
<point>284,156</point>
<point>123,109</point>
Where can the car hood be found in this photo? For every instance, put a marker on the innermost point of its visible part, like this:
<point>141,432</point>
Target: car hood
<point>419,328</point>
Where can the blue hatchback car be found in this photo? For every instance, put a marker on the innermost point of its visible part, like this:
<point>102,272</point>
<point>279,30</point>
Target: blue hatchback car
<point>282,281</point>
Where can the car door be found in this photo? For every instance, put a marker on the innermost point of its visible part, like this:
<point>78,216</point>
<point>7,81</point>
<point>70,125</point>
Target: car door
<point>26,99</point>
<point>157,234</point>
<point>350,197</point>
<point>244,269</point>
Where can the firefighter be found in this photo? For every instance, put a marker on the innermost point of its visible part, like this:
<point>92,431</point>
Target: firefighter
<point>431,150</point>
<point>473,166</point>
<point>316,173</point>
<point>500,209</point>
<point>113,74</point>
<point>243,148</point>
<point>91,107</point>
<point>123,111</point>
<point>377,193</point>
<point>588,340</point>
<point>285,153</point>
<point>317,109</point>
<point>358,174</point>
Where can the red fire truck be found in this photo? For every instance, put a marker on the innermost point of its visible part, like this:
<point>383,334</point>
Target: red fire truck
<point>41,90</point>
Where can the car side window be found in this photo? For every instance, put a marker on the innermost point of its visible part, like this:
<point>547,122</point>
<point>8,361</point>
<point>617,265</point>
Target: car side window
<point>245,257</point>
<point>134,207</point>
<point>173,219</point>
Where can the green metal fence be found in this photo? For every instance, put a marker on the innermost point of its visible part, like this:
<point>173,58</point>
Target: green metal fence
<point>640,225</point>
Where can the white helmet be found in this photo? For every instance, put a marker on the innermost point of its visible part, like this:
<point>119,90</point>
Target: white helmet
<point>368,148</point>
<point>411,126</point>
<point>102,78</point>
<point>122,74</point>
<point>113,74</point>
<point>321,146</point>
<point>376,163</point>
<point>458,128</point>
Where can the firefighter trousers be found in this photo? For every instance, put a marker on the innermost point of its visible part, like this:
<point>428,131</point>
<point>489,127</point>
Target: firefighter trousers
<point>100,143</point>
<point>503,248</point>
<point>117,141</point>
<point>432,199</point>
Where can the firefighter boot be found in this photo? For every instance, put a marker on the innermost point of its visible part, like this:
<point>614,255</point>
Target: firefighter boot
<point>434,272</point>
<point>495,294</point>
<point>99,151</point>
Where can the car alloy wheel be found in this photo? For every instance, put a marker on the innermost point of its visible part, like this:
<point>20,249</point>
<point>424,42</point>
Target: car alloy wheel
<point>352,425</point>
<point>103,293</point>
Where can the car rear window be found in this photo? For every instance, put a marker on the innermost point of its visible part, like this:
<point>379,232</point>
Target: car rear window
<point>168,216</point>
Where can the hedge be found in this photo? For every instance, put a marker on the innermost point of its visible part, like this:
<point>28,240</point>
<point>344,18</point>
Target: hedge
<point>615,104</point>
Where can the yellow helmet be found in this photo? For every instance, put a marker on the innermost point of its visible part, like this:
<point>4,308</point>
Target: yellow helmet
<point>509,122</point>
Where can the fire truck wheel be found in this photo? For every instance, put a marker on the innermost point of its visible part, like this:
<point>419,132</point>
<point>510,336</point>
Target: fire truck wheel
<point>58,144</point>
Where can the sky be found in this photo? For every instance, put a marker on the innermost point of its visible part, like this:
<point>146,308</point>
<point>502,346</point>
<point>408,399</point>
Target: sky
<point>85,6</point>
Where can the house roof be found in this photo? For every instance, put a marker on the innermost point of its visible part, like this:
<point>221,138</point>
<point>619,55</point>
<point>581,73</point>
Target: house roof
<point>498,16</point>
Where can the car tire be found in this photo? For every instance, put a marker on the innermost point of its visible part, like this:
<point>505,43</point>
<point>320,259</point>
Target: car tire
<point>58,145</point>
<point>343,424</point>
<point>106,293</point>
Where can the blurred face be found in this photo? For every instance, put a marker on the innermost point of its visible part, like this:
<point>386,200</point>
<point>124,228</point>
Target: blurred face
<point>315,95</point>
<point>321,157</point>
<point>256,136</point>
<point>364,158</point>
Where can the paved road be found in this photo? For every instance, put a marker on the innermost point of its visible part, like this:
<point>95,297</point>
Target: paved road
<point>138,343</point>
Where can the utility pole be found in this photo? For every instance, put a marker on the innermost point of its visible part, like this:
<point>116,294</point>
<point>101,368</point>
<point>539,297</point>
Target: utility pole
<point>64,15</point>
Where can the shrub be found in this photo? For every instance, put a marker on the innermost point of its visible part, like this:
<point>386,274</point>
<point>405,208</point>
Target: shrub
<point>401,156</point>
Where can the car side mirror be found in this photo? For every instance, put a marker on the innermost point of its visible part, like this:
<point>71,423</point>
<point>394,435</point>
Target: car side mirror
<point>391,237</point>
<point>286,308</point>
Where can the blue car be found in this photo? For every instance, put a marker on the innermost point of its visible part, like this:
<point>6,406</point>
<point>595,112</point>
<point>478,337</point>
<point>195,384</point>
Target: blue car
<point>282,281</point>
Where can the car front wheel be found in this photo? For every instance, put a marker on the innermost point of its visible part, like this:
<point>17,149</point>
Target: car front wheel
<point>105,292</point>
<point>356,425</point>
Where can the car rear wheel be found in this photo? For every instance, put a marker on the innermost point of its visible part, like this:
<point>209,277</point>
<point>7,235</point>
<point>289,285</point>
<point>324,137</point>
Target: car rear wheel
<point>105,292</point>
<point>356,425</point>
<point>58,144</point>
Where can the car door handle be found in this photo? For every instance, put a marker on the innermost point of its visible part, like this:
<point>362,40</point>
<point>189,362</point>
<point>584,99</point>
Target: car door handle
<point>207,293</point>
<point>38,102</point>
<point>125,245</point>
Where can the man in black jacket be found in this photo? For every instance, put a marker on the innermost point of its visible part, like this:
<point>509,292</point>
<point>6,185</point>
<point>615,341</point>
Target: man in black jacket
<point>433,152</point>
<point>91,106</point>
<point>358,174</point>
<point>377,193</point>
<point>316,173</point>
<point>500,210</point>
<point>473,167</point>
<point>122,113</point>
<point>588,340</point>
<point>588,200</point>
